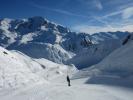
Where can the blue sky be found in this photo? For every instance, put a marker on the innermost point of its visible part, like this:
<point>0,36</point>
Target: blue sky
<point>79,15</point>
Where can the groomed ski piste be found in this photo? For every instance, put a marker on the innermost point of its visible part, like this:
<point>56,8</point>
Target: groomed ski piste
<point>60,91</point>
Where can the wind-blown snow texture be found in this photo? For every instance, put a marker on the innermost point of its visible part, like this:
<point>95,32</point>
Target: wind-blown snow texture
<point>39,38</point>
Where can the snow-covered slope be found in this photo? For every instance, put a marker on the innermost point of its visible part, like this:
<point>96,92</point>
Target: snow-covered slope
<point>120,61</point>
<point>77,91</point>
<point>17,69</point>
<point>94,53</point>
<point>13,73</point>
<point>115,69</point>
<point>45,50</point>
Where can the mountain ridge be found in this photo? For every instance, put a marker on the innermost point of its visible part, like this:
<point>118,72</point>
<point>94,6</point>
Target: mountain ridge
<point>40,38</point>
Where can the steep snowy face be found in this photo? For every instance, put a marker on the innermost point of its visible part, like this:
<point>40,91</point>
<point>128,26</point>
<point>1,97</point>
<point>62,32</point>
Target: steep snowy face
<point>118,64</point>
<point>39,38</point>
<point>115,69</point>
<point>94,54</point>
<point>30,25</point>
<point>7,37</point>
<point>120,61</point>
<point>44,50</point>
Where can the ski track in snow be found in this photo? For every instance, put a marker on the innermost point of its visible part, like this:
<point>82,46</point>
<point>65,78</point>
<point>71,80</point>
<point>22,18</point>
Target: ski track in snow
<point>60,91</point>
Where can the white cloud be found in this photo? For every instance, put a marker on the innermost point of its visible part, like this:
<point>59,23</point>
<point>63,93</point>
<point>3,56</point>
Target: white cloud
<point>96,29</point>
<point>112,14</point>
<point>92,4</point>
<point>124,12</point>
<point>127,13</point>
<point>98,4</point>
<point>57,10</point>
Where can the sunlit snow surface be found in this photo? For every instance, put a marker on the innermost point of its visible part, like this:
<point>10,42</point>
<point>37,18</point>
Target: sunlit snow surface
<point>45,80</point>
<point>78,91</point>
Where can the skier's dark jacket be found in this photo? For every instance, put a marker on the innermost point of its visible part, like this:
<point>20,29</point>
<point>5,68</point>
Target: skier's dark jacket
<point>68,79</point>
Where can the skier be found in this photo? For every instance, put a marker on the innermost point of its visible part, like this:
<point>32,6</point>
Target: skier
<point>68,80</point>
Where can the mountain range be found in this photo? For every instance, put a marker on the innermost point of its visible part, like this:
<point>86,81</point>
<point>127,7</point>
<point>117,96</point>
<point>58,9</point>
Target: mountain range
<point>40,38</point>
